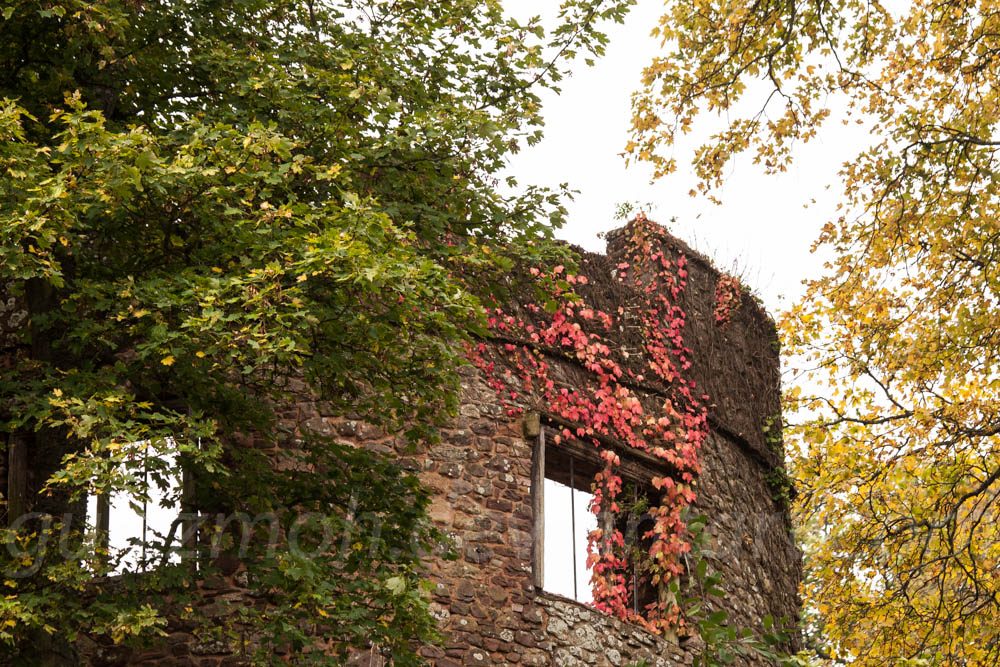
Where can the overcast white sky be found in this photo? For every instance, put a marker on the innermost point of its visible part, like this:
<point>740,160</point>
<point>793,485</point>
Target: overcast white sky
<point>762,230</point>
<point>762,233</point>
<point>560,534</point>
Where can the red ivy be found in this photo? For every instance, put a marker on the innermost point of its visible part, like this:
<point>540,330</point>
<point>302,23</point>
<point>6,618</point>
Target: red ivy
<point>608,406</point>
<point>727,298</point>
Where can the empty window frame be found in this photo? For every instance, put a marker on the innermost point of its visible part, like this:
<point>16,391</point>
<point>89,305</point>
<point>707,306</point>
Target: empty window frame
<point>562,478</point>
<point>568,520</point>
<point>129,529</point>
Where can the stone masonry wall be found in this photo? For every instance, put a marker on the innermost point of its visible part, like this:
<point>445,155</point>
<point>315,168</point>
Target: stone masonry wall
<point>490,612</point>
<point>480,474</point>
<point>486,603</point>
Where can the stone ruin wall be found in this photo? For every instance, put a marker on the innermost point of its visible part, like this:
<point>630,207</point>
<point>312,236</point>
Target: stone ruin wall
<point>480,474</point>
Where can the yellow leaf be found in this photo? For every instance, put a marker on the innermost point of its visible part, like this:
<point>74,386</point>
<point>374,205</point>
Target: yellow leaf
<point>167,361</point>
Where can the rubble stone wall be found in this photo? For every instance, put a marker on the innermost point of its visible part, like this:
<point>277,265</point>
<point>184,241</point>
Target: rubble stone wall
<point>485,601</point>
<point>487,606</point>
<point>480,474</point>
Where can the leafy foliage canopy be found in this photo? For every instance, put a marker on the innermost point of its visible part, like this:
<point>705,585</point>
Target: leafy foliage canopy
<point>898,456</point>
<point>212,210</point>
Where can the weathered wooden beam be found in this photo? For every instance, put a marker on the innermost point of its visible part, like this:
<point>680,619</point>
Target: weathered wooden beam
<point>538,510</point>
<point>17,478</point>
<point>102,523</point>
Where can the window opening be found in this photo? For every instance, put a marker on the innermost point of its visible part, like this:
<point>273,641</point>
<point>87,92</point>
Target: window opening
<point>125,528</point>
<point>635,522</point>
<point>565,518</point>
<point>572,514</point>
<point>568,520</point>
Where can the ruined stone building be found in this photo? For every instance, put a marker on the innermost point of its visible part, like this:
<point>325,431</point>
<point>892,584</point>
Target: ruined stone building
<point>493,603</point>
<point>718,379</point>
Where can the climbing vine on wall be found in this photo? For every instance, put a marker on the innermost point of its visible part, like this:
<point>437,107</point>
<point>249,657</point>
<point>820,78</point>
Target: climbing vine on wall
<point>633,397</point>
<point>728,294</point>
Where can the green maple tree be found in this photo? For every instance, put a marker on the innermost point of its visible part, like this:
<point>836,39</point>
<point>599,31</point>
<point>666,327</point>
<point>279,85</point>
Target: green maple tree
<point>204,201</point>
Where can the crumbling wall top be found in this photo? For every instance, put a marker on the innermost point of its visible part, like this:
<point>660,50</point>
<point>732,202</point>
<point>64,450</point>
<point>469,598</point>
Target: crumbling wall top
<point>735,363</point>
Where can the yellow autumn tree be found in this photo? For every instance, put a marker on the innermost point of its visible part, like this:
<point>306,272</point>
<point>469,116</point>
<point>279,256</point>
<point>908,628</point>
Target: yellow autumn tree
<point>897,447</point>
